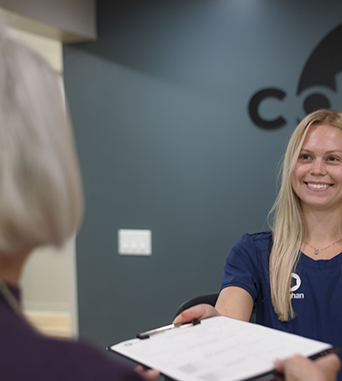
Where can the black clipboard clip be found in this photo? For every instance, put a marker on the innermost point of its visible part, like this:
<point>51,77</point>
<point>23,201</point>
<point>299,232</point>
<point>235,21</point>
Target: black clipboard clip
<point>147,334</point>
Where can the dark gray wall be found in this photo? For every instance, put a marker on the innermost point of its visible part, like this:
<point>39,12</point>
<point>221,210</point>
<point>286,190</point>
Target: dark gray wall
<point>160,111</point>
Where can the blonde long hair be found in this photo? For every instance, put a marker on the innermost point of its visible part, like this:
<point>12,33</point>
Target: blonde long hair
<point>41,199</point>
<point>287,224</point>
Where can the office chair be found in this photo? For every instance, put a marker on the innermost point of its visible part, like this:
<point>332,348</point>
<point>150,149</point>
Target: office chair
<point>207,299</point>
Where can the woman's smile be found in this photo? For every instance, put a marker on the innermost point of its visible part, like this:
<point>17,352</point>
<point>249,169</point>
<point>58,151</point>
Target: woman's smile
<point>320,186</point>
<point>317,176</point>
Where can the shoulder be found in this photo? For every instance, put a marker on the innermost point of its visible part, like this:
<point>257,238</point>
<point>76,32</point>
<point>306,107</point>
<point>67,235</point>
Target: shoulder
<point>251,250</point>
<point>90,362</point>
<point>257,241</point>
<point>247,262</point>
<point>70,360</point>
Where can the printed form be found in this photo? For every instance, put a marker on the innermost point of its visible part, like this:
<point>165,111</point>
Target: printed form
<point>217,349</point>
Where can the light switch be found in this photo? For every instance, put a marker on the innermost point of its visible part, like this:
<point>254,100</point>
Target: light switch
<point>134,242</point>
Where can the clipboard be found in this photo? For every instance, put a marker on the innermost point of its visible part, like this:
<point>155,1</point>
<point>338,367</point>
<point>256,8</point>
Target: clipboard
<point>218,349</point>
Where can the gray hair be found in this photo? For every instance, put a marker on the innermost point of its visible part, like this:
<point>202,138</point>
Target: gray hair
<point>41,200</point>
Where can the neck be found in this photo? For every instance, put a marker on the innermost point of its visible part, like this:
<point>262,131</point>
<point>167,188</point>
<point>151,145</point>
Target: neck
<point>322,227</point>
<point>11,267</point>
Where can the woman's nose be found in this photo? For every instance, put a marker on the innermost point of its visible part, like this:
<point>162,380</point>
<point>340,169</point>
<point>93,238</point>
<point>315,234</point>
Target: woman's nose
<point>318,167</point>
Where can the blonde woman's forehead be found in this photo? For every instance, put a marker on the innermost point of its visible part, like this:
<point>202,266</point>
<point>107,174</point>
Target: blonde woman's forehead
<point>326,137</point>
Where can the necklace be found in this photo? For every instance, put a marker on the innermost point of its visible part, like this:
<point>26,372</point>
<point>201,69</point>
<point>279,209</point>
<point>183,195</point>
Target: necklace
<point>12,301</point>
<point>317,250</point>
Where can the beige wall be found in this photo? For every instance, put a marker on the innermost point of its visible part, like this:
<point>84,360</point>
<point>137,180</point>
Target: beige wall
<point>50,48</point>
<point>64,20</point>
<point>46,280</point>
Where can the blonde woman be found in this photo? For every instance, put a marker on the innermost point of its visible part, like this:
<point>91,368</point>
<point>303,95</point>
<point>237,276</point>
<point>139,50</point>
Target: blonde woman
<point>293,273</point>
<point>41,203</point>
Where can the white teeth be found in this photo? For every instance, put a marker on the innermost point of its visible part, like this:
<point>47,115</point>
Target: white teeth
<point>318,186</point>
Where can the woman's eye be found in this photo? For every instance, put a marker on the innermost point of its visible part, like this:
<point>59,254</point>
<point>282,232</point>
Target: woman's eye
<point>304,157</point>
<point>332,158</point>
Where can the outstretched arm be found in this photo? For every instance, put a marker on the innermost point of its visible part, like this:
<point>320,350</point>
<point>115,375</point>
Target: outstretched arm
<point>235,302</point>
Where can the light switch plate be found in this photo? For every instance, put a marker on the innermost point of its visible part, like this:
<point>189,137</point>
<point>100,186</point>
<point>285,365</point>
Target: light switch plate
<point>134,242</point>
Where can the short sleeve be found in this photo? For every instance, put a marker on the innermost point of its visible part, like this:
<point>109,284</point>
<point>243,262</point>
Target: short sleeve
<point>241,267</point>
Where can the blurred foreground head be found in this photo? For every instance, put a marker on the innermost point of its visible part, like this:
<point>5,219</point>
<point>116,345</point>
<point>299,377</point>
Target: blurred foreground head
<point>41,199</point>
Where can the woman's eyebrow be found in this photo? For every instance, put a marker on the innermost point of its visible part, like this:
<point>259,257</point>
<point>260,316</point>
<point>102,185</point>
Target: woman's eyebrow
<point>330,151</point>
<point>334,150</point>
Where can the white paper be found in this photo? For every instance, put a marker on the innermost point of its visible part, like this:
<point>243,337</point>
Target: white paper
<point>217,349</point>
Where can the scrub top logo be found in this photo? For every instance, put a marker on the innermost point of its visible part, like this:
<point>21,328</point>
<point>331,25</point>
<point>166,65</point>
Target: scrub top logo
<point>317,86</point>
<point>296,282</point>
